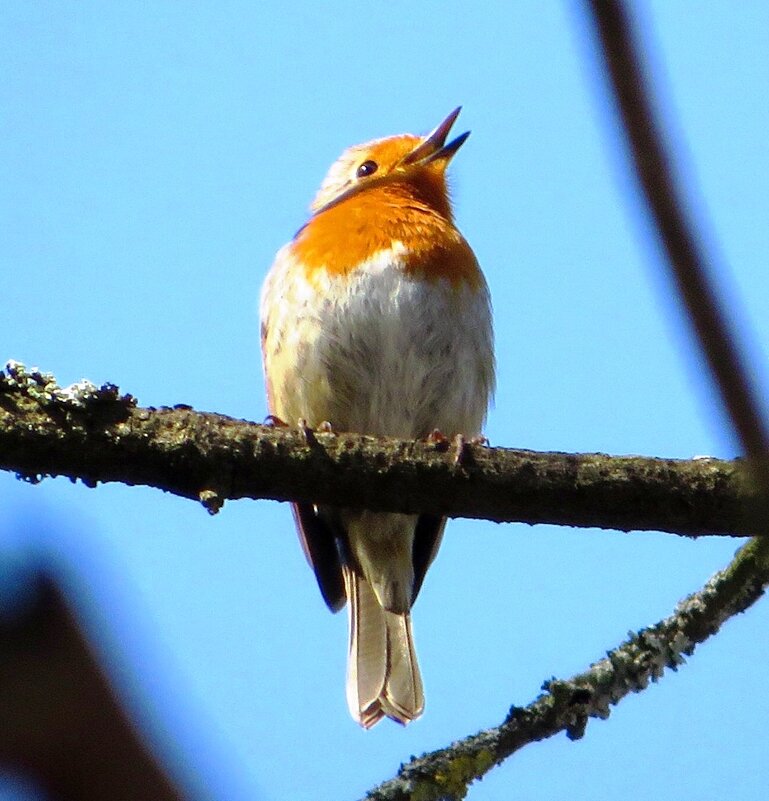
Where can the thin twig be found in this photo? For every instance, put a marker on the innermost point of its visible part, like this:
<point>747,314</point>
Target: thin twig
<point>687,259</point>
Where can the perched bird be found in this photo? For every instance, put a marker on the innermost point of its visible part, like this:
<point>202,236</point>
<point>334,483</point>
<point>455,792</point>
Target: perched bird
<point>376,319</point>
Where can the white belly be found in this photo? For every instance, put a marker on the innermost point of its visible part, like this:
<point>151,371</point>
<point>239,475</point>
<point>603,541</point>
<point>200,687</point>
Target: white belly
<point>377,352</point>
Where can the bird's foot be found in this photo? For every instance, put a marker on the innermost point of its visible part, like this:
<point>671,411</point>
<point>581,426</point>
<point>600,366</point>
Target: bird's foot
<point>307,433</point>
<point>437,438</point>
<point>464,448</point>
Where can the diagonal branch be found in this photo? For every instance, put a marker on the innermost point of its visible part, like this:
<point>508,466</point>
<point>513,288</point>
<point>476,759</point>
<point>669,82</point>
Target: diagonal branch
<point>567,705</point>
<point>95,435</point>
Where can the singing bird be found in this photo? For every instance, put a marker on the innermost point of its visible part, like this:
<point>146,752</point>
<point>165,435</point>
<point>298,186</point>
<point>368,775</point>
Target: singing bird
<point>376,319</point>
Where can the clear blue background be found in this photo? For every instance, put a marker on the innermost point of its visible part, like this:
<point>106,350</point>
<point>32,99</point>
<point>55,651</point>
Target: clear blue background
<point>156,155</point>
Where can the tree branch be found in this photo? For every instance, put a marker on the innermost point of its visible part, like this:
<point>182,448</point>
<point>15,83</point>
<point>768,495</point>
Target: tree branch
<point>60,721</point>
<point>567,705</point>
<point>97,435</point>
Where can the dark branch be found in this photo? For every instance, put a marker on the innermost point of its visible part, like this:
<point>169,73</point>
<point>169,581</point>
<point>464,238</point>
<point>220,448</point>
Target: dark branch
<point>567,705</point>
<point>95,435</point>
<point>60,721</point>
<point>687,259</point>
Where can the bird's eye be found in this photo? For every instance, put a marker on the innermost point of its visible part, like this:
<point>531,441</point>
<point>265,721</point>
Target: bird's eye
<point>367,168</point>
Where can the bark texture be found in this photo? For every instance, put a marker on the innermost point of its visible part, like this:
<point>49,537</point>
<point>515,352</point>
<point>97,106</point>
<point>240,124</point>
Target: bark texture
<point>95,434</point>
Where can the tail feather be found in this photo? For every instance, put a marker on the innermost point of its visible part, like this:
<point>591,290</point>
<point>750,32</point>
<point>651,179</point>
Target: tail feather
<point>403,690</point>
<point>383,676</point>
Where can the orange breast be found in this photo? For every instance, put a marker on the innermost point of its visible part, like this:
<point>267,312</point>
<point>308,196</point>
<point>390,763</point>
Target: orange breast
<point>340,238</point>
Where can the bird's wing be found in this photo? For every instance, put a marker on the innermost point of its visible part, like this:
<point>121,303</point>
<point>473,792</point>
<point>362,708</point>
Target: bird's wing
<point>319,546</point>
<point>427,539</point>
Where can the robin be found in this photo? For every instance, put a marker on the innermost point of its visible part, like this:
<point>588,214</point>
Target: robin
<point>376,319</point>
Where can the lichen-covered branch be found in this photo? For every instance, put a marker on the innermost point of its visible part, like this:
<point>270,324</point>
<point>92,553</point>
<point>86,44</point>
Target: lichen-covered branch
<point>96,435</point>
<point>566,706</point>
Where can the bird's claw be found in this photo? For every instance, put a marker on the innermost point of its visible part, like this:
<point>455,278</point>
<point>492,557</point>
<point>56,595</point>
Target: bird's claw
<point>464,447</point>
<point>306,432</point>
<point>463,450</point>
<point>437,438</point>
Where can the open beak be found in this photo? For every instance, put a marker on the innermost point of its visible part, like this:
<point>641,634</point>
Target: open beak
<point>433,147</point>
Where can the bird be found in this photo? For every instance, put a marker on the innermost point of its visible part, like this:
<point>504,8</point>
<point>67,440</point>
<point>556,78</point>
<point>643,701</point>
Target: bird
<point>376,319</point>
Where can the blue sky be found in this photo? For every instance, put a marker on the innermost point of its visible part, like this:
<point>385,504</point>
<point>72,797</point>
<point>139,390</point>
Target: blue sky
<point>154,158</point>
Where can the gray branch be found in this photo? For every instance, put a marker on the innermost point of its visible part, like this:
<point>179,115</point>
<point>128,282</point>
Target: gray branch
<point>566,706</point>
<point>95,434</point>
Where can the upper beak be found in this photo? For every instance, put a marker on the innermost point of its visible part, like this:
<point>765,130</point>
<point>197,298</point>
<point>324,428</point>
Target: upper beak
<point>433,147</point>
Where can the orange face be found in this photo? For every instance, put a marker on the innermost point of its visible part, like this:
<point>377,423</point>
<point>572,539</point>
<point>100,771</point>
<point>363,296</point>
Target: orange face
<point>365,166</point>
<point>405,159</point>
<point>385,194</point>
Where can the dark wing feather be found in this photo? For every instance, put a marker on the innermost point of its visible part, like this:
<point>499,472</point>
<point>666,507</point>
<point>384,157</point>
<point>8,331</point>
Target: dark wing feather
<point>427,539</point>
<point>319,545</point>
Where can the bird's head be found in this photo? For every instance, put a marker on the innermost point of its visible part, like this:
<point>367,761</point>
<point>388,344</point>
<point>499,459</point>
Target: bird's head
<point>419,162</point>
